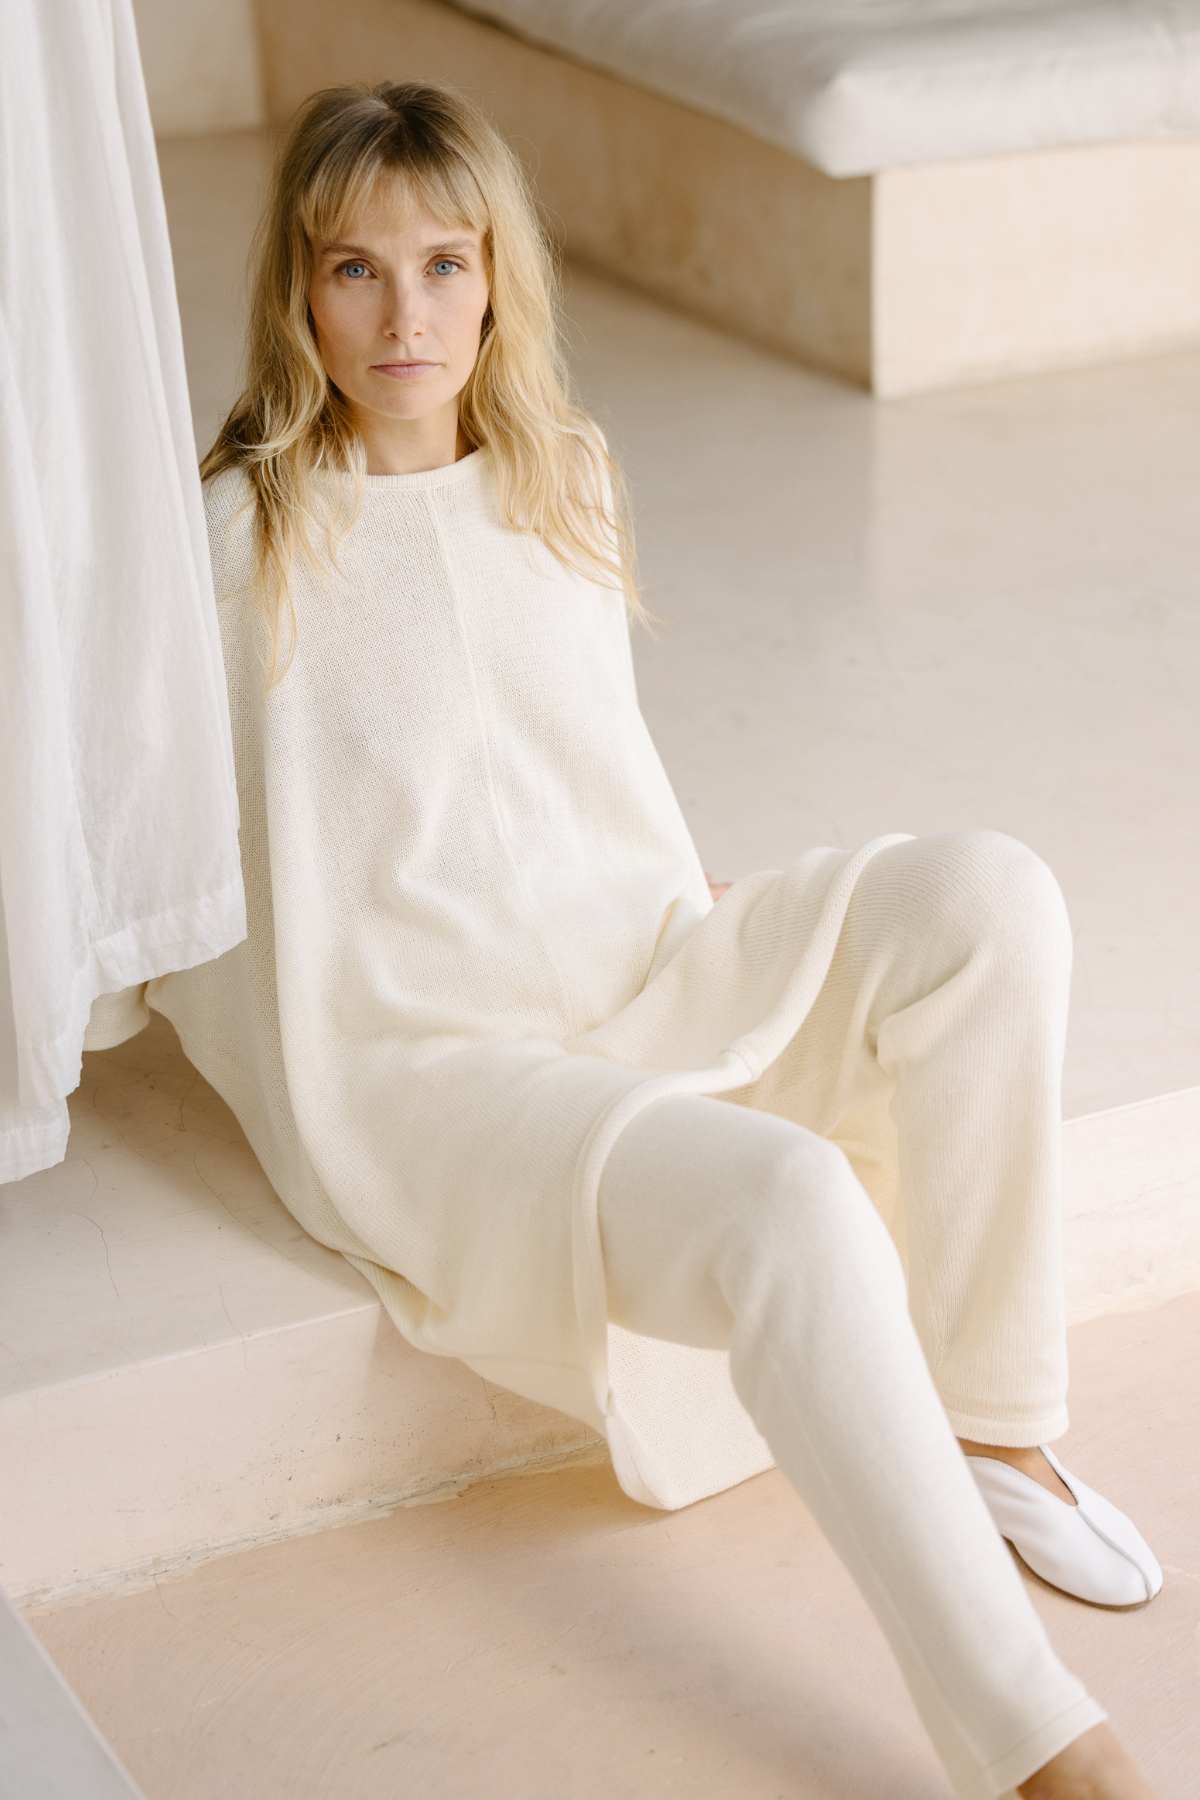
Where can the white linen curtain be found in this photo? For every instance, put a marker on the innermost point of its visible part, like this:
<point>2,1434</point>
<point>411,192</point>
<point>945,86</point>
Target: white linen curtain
<point>119,817</point>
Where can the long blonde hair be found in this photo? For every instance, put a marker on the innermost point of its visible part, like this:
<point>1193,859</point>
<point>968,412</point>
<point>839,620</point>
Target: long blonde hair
<point>342,147</point>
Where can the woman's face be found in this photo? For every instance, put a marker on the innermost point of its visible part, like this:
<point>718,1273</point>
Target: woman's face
<point>400,287</point>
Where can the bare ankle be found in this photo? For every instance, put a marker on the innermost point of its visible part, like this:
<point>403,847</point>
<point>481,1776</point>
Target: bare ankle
<point>1094,1766</point>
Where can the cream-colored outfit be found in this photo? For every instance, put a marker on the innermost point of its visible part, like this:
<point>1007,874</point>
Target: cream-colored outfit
<point>480,940</point>
<point>481,943</point>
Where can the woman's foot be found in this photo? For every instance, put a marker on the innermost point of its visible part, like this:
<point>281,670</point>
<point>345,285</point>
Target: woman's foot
<point>1030,1462</point>
<point>1094,1766</point>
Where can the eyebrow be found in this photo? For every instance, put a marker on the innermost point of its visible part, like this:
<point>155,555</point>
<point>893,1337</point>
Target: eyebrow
<point>458,243</point>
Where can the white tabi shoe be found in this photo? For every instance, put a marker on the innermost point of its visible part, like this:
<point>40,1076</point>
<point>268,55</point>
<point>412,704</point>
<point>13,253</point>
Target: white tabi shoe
<point>1090,1550</point>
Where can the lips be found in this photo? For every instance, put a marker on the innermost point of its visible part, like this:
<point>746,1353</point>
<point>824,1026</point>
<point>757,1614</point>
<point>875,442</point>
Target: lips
<point>402,371</point>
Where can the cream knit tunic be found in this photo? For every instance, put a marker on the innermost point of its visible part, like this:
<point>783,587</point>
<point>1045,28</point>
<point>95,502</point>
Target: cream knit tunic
<point>480,939</point>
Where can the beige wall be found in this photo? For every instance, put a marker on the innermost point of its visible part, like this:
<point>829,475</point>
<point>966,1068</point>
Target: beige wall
<point>201,64</point>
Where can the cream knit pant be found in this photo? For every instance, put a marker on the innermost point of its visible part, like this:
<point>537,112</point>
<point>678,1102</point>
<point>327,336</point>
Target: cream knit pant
<point>873,1231</point>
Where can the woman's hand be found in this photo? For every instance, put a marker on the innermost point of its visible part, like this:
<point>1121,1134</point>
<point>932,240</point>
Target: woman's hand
<point>716,888</point>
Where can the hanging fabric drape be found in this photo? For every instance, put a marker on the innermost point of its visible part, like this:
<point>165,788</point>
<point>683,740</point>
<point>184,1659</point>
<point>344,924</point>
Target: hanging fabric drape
<point>119,817</point>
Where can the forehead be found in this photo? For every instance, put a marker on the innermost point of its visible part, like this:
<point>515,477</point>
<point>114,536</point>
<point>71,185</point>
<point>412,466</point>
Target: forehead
<point>397,220</point>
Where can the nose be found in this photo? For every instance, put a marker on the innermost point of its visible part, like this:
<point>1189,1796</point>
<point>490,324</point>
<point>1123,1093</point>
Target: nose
<point>403,309</point>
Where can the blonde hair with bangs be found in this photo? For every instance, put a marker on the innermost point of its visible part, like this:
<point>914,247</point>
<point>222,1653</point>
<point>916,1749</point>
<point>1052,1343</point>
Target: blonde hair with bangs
<point>343,149</point>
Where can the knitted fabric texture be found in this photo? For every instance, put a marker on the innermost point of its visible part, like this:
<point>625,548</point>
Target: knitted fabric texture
<point>480,939</point>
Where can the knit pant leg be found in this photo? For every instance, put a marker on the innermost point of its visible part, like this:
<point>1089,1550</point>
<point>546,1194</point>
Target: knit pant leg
<point>933,1055</point>
<point>976,1065</point>
<point>723,1227</point>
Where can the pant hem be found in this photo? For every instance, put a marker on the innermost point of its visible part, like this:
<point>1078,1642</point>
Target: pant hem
<point>1016,1433</point>
<point>1033,1751</point>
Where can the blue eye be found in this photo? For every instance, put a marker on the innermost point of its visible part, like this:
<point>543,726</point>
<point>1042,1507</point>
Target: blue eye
<point>355,264</point>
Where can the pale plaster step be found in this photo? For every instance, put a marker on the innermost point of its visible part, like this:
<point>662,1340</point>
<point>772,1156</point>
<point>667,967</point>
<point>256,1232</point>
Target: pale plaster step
<point>186,1372</point>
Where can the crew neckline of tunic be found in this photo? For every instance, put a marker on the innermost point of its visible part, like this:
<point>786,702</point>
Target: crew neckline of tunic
<point>446,475</point>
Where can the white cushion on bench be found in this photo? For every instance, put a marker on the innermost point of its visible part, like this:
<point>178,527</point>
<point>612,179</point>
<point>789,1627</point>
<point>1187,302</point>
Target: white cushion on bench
<point>854,86</point>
